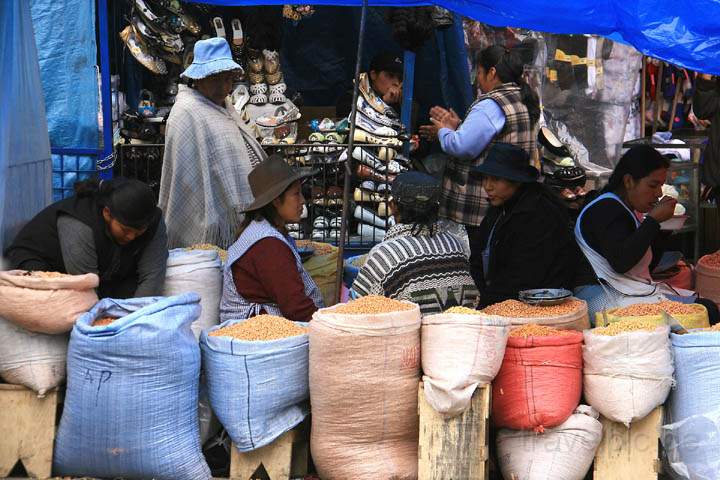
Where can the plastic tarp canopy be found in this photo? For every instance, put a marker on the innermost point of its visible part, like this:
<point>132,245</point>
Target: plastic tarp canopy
<point>67,51</point>
<point>24,147</point>
<point>685,33</point>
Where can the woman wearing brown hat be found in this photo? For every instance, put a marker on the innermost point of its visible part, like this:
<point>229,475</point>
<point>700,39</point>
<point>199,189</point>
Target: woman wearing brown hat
<point>264,272</point>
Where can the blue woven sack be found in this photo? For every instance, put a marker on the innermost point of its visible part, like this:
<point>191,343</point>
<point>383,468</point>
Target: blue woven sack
<point>258,389</point>
<point>131,408</point>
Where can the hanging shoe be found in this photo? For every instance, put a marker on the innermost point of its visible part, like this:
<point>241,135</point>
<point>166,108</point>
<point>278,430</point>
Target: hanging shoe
<point>190,24</point>
<point>219,27</point>
<point>549,140</point>
<point>168,42</point>
<point>139,51</point>
<point>366,137</point>
<point>238,41</point>
<point>146,106</point>
<point>372,114</point>
<point>240,97</point>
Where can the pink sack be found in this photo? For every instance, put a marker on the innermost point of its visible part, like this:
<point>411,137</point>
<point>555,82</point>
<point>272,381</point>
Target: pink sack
<point>540,382</point>
<point>364,374</point>
<point>46,305</point>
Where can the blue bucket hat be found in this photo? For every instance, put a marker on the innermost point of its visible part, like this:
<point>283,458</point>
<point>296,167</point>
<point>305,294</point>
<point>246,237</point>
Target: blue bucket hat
<point>210,56</point>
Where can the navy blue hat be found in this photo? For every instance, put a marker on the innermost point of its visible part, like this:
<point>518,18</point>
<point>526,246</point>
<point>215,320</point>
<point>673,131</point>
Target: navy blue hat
<point>507,161</point>
<point>387,62</point>
<point>415,189</point>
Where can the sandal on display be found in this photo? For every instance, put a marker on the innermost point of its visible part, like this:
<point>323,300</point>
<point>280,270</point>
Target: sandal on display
<point>334,137</point>
<point>258,88</point>
<point>238,41</point>
<point>219,27</point>
<point>260,99</point>
<point>256,78</point>
<point>274,78</point>
<point>277,98</point>
<point>326,125</point>
<point>240,97</point>
<point>138,50</point>
<point>365,137</point>
<point>272,61</point>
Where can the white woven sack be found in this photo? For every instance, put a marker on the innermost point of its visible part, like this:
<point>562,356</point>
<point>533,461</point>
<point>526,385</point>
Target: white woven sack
<point>563,452</point>
<point>459,353</point>
<point>34,360</point>
<point>626,376</point>
<point>46,305</point>
<point>198,271</point>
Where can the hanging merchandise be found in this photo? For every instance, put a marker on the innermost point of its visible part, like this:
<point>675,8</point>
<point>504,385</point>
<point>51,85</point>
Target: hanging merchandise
<point>626,376</point>
<point>540,381</point>
<point>131,407</point>
<point>460,351</point>
<point>564,452</point>
<point>364,374</point>
<point>257,388</point>
<point>413,26</point>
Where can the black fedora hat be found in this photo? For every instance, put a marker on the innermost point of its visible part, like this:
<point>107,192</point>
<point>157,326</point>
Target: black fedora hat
<point>271,178</point>
<point>507,161</point>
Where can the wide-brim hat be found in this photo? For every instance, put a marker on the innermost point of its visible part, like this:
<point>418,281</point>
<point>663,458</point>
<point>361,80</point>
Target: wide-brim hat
<point>507,161</point>
<point>210,56</point>
<point>271,178</point>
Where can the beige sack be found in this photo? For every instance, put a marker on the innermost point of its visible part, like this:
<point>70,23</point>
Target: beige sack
<point>46,305</point>
<point>364,374</point>
<point>460,352</point>
<point>707,282</point>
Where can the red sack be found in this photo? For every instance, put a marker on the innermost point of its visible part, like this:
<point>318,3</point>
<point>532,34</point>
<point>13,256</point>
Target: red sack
<point>540,382</point>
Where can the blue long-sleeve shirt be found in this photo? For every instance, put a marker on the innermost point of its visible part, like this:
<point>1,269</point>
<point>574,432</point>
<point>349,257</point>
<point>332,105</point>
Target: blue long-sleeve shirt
<point>485,120</point>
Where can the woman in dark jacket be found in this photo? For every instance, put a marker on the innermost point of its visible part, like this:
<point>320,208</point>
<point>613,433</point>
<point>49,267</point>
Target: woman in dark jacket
<point>112,228</point>
<point>525,238</point>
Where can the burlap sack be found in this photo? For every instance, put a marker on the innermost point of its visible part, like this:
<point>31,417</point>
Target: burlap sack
<point>46,305</point>
<point>364,373</point>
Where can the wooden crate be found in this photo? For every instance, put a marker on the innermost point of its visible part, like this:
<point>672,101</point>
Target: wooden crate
<point>630,453</point>
<point>28,430</point>
<point>455,449</point>
<point>285,457</point>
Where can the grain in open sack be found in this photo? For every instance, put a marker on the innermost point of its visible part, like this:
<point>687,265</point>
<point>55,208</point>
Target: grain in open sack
<point>372,304</point>
<point>261,328</point>
<point>462,311</point>
<point>103,321</point>
<point>518,309</point>
<point>625,326</point>
<point>535,330</point>
<point>209,246</point>
<point>668,306</point>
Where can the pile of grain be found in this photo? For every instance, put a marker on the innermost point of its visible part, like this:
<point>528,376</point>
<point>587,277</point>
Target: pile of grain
<point>714,328</point>
<point>668,306</point>
<point>45,274</point>
<point>209,246</point>
<point>625,326</point>
<point>320,248</point>
<point>712,260</point>
<point>373,304</point>
<point>261,328</point>
<point>535,330</point>
<point>517,309</point>
<point>462,311</point>
<point>101,322</point>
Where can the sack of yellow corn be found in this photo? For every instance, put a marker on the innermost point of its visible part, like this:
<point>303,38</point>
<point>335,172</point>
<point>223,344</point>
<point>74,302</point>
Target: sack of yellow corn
<point>364,374</point>
<point>690,315</point>
<point>572,314</point>
<point>322,267</point>
<point>628,369</point>
<point>461,349</point>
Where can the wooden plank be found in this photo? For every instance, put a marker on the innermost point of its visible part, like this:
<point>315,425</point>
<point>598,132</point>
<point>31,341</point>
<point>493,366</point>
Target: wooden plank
<point>630,453</point>
<point>276,458</point>
<point>28,424</point>
<point>455,449</point>
<point>643,87</point>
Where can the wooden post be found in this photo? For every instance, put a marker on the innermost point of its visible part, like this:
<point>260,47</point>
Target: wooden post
<point>455,449</point>
<point>276,458</point>
<point>658,98</point>
<point>676,99</point>
<point>630,453</point>
<point>28,426</point>
<point>643,88</point>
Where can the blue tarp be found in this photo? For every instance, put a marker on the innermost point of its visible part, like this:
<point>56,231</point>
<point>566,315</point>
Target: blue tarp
<point>685,33</point>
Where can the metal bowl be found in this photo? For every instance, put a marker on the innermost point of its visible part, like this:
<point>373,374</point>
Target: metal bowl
<point>545,296</point>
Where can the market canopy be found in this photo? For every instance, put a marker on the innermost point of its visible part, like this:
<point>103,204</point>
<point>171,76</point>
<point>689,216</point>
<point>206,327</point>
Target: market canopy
<point>685,33</point>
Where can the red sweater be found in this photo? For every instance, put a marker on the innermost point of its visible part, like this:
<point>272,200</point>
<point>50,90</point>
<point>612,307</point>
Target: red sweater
<point>267,273</point>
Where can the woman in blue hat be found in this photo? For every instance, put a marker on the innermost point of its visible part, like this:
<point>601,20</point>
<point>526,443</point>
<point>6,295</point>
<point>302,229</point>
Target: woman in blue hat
<point>525,239</point>
<point>208,154</point>
<point>418,260</point>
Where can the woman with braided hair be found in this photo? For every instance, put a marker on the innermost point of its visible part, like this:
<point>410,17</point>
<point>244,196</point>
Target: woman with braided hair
<point>506,111</point>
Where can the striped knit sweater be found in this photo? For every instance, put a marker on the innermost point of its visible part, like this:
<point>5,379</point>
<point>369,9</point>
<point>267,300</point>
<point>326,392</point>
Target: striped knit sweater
<point>428,267</point>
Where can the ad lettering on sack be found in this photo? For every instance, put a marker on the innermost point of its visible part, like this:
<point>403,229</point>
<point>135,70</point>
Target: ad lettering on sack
<point>102,377</point>
<point>410,357</point>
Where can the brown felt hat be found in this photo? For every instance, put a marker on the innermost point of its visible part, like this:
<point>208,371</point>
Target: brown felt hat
<point>271,178</point>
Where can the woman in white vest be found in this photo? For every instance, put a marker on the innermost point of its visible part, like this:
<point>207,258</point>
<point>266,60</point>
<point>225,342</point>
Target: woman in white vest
<point>619,233</point>
<point>264,273</point>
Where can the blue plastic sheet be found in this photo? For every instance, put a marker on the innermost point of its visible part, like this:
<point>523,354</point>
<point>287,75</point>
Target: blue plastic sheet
<point>684,33</point>
<point>67,51</point>
<point>24,147</point>
<point>131,407</point>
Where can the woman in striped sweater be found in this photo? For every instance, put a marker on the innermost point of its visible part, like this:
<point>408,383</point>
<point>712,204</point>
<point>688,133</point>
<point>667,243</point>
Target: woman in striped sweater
<point>418,260</point>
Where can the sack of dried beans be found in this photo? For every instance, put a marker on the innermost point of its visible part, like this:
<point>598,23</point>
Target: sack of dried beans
<point>256,373</point>
<point>540,380</point>
<point>690,315</point>
<point>627,369</point>
<point>46,302</point>
<point>707,282</point>
<point>572,314</point>
<point>461,349</point>
<point>322,267</point>
<point>364,374</point>
<point>131,407</point>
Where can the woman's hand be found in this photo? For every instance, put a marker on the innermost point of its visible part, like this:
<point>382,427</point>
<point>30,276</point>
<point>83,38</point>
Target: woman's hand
<point>428,132</point>
<point>443,118</point>
<point>663,210</point>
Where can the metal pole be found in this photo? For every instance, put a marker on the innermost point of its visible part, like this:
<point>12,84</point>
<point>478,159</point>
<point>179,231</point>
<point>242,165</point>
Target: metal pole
<point>643,87</point>
<point>408,87</point>
<point>107,148</point>
<point>658,98</point>
<point>348,162</point>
